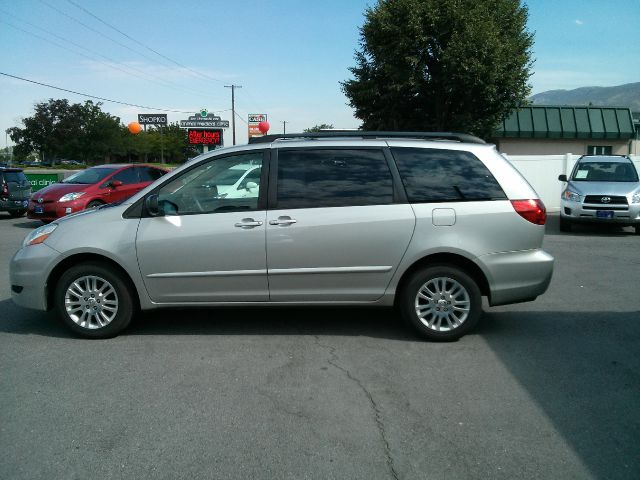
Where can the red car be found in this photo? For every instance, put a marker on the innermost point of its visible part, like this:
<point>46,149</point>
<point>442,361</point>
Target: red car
<point>91,188</point>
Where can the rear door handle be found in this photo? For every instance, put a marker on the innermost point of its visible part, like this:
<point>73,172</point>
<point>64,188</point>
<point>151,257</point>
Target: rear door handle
<point>283,221</point>
<point>248,223</point>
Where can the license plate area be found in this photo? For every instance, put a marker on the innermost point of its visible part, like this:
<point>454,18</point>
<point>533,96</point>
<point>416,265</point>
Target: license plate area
<point>604,213</point>
<point>38,209</point>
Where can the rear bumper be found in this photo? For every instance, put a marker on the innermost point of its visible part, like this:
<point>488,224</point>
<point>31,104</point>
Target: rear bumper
<point>10,205</point>
<point>517,276</point>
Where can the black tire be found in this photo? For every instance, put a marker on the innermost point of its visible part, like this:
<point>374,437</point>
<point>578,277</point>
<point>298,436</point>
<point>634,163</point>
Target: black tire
<point>125,304</point>
<point>17,213</point>
<point>565,225</point>
<point>637,229</point>
<point>448,331</point>
<point>94,204</point>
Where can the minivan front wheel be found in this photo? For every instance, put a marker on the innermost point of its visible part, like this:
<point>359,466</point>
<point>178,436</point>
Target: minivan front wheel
<point>441,302</point>
<point>93,300</point>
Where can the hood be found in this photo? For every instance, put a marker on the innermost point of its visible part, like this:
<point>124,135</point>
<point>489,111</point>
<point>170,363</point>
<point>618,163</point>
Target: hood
<point>622,189</point>
<point>56,190</point>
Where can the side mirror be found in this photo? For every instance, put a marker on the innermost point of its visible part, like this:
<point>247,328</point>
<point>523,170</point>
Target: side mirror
<point>153,206</point>
<point>115,183</point>
<point>251,186</point>
<point>562,178</point>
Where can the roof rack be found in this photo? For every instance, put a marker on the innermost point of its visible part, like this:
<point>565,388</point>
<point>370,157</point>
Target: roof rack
<point>456,137</point>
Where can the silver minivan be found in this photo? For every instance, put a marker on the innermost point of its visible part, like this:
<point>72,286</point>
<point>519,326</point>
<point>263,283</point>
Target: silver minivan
<point>429,223</point>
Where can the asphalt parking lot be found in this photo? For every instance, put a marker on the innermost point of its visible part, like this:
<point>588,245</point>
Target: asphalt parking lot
<point>549,389</point>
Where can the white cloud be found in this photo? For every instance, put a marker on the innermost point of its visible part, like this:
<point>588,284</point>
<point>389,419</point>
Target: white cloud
<point>579,22</point>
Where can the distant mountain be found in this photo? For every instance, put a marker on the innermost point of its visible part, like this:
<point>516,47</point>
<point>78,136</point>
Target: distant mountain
<point>627,95</point>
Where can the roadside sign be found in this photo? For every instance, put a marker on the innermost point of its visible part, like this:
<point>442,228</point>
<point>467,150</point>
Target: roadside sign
<point>254,121</point>
<point>201,136</point>
<point>40,180</point>
<point>209,121</point>
<point>152,119</point>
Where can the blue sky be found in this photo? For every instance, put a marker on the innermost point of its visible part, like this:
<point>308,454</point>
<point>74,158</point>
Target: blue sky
<point>289,56</point>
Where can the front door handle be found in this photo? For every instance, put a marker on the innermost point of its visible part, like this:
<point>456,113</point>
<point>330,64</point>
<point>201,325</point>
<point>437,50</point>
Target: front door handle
<point>283,221</point>
<point>248,223</point>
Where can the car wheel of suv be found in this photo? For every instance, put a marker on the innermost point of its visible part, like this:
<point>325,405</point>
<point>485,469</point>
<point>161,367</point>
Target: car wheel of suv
<point>637,229</point>
<point>17,213</point>
<point>441,302</point>
<point>565,225</point>
<point>94,301</point>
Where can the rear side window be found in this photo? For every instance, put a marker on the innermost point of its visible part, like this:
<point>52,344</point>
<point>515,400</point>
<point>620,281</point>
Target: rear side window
<point>434,175</point>
<point>311,178</point>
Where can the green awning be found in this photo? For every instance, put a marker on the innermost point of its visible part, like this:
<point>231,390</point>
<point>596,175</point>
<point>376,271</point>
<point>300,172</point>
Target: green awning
<point>568,122</point>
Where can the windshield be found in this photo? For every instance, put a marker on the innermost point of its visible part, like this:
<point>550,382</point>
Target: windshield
<point>605,172</point>
<point>89,176</point>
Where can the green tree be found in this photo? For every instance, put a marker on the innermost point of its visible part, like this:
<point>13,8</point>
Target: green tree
<point>318,128</point>
<point>77,131</point>
<point>440,65</point>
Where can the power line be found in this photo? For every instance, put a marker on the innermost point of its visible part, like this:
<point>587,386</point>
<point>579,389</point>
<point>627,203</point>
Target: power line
<point>101,98</point>
<point>124,45</point>
<point>140,43</point>
<point>114,65</point>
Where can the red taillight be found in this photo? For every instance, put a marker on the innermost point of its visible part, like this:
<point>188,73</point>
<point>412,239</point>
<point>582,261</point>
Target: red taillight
<point>532,210</point>
<point>5,190</point>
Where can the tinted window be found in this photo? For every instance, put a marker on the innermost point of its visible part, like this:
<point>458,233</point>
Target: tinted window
<point>206,188</point>
<point>333,178</point>
<point>17,177</point>
<point>148,174</point>
<point>433,175</point>
<point>128,176</point>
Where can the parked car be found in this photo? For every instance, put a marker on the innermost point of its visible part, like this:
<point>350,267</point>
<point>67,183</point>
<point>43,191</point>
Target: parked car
<point>601,189</point>
<point>429,223</point>
<point>91,188</point>
<point>15,191</point>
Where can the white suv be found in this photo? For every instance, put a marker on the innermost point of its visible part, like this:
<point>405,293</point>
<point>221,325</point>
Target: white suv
<point>429,223</point>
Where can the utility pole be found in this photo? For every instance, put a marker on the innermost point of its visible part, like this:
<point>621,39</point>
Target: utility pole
<point>233,108</point>
<point>284,127</point>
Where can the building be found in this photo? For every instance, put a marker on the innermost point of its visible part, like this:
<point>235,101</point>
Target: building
<point>556,130</point>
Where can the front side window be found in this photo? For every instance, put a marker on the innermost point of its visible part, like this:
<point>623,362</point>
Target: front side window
<point>605,172</point>
<point>212,187</point>
<point>150,174</point>
<point>434,175</point>
<point>127,177</point>
<point>309,178</point>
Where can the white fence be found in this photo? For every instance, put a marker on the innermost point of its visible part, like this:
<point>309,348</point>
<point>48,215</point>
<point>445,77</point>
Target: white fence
<point>542,171</point>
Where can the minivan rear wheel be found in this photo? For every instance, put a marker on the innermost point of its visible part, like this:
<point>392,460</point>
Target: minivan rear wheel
<point>94,301</point>
<point>441,302</point>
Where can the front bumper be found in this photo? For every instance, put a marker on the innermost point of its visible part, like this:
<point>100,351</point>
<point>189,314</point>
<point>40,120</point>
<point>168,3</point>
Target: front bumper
<point>49,211</point>
<point>28,273</point>
<point>587,213</point>
<point>517,276</point>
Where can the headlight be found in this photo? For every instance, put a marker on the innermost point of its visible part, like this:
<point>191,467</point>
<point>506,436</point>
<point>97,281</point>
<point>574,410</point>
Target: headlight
<point>71,196</point>
<point>571,196</point>
<point>39,235</point>
<point>635,198</point>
